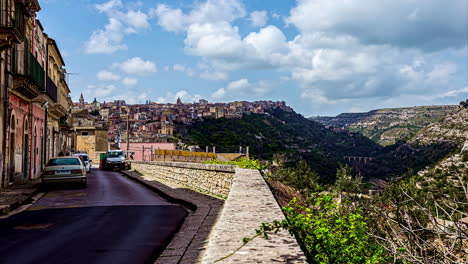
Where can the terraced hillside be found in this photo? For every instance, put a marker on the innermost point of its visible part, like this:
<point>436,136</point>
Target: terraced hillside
<point>389,125</point>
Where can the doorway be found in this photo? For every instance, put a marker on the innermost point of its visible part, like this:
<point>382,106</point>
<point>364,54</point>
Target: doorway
<point>26,150</point>
<point>11,169</point>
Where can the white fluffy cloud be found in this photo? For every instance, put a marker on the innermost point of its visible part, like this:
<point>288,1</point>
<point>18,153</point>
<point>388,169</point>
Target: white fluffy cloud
<point>130,81</point>
<point>99,91</point>
<point>184,96</point>
<point>210,11</point>
<point>259,18</point>
<point>178,67</point>
<point>121,23</point>
<point>423,24</point>
<point>111,92</point>
<point>136,66</point>
<point>241,88</point>
<point>345,51</point>
<point>107,76</point>
<point>108,40</point>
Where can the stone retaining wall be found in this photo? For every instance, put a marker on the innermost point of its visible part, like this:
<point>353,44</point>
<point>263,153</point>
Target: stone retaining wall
<point>213,179</point>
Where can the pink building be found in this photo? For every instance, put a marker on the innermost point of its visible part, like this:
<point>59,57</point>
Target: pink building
<point>143,151</point>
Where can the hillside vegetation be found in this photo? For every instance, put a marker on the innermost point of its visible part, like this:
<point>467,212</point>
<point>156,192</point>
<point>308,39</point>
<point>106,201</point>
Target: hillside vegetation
<point>296,138</point>
<point>387,126</point>
<point>285,133</point>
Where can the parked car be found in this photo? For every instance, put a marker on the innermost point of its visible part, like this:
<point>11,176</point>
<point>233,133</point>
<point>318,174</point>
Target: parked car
<point>86,160</point>
<point>68,169</point>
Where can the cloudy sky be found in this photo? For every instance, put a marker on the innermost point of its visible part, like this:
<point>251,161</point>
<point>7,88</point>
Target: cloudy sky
<point>322,57</point>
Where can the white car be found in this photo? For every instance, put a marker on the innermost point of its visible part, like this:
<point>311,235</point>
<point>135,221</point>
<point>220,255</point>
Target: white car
<point>68,169</point>
<point>86,160</point>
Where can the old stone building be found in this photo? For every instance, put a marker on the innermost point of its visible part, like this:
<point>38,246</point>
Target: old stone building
<point>87,137</point>
<point>26,96</point>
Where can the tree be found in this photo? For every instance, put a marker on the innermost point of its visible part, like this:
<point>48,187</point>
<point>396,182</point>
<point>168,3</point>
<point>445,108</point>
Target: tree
<point>345,182</point>
<point>464,103</point>
<point>301,176</point>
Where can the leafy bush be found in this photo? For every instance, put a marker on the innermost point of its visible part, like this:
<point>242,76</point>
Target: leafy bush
<point>329,233</point>
<point>242,163</point>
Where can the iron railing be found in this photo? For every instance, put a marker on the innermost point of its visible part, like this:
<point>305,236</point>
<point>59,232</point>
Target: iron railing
<point>13,20</point>
<point>26,65</point>
<point>51,89</point>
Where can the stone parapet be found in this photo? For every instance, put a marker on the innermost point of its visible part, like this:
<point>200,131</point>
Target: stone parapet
<point>249,204</point>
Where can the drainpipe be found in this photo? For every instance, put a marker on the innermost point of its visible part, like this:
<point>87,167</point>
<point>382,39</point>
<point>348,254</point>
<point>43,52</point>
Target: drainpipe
<point>6,121</point>
<point>31,134</point>
<point>44,151</point>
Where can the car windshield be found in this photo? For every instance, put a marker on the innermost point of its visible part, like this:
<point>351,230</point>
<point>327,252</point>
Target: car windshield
<point>115,154</point>
<point>85,157</point>
<point>64,161</point>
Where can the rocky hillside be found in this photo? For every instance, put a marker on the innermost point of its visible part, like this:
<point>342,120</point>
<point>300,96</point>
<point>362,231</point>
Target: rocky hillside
<point>440,140</point>
<point>453,127</point>
<point>387,126</point>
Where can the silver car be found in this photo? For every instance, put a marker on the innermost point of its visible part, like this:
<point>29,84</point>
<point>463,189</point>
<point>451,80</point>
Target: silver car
<point>86,160</point>
<point>68,169</point>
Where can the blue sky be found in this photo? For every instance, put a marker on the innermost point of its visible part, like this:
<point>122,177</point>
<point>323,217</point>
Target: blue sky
<point>323,57</point>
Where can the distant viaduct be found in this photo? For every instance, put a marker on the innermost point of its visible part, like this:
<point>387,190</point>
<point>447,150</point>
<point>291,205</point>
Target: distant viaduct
<point>358,159</point>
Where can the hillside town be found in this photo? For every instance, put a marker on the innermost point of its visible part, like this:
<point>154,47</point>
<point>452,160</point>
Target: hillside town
<point>152,123</point>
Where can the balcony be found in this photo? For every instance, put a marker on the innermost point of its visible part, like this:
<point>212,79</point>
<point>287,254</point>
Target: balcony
<point>11,27</point>
<point>51,89</point>
<point>28,74</point>
<point>65,122</point>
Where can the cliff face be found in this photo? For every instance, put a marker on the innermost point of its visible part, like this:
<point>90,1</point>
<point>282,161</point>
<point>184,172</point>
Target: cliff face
<point>387,126</point>
<point>438,144</point>
<point>453,127</point>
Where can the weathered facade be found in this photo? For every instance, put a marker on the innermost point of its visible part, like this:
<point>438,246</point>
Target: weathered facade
<point>91,140</point>
<point>25,95</point>
<point>59,118</point>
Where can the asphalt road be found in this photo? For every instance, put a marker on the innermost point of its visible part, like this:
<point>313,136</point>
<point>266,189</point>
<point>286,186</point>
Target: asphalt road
<point>112,220</point>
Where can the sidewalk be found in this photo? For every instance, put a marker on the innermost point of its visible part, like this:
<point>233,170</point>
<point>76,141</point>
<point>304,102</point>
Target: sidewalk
<point>17,195</point>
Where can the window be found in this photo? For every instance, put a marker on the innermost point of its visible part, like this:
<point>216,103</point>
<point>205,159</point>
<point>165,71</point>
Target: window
<point>115,154</point>
<point>67,161</point>
<point>84,133</point>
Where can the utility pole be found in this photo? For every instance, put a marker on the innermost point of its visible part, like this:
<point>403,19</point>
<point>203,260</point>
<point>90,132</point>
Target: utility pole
<point>128,133</point>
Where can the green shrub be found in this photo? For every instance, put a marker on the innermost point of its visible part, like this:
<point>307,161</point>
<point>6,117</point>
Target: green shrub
<point>242,163</point>
<point>329,233</point>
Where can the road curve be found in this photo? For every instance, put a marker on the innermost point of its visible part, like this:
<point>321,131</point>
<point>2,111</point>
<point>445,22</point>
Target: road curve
<point>113,220</point>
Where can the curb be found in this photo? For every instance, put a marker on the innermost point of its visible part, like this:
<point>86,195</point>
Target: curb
<point>189,243</point>
<point>166,194</point>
